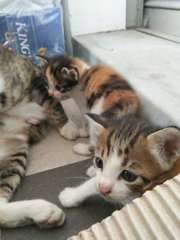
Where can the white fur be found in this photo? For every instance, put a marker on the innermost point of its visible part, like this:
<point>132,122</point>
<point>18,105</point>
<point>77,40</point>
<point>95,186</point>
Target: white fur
<point>69,131</point>
<point>73,197</point>
<point>78,96</point>
<point>2,83</point>
<point>112,167</point>
<point>99,107</point>
<point>91,171</point>
<point>21,213</point>
<point>3,200</point>
<point>28,111</point>
<point>109,177</point>
<point>82,149</point>
<point>83,132</point>
<point>84,67</point>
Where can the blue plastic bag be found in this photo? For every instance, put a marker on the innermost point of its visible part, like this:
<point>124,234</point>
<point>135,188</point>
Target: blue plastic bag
<point>35,32</point>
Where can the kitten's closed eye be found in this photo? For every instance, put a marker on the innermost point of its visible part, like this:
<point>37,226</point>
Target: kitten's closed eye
<point>128,176</point>
<point>58,87</point>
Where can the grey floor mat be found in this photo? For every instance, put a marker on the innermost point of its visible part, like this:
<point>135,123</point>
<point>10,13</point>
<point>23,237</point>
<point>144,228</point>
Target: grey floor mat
<point>47,185</point>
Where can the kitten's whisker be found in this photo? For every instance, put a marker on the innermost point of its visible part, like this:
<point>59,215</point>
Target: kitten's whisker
<point>86,178</point>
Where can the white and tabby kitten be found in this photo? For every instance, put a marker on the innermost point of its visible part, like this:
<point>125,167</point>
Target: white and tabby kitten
<point>15,132</point>
<point>131,156</point>
<point>26,112</point>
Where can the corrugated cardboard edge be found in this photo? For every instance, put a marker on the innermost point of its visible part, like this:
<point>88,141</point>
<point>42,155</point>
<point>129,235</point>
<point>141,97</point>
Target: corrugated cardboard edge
<point>156,215</point>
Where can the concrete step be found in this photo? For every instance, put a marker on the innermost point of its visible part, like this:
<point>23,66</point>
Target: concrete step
<point>151,64</point>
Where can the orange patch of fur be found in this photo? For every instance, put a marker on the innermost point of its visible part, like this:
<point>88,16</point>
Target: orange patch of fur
<point>146,166</point>
<point>99,77</point>
<point>127,97</point>
<point>80,65</point>
<point>50,76</point>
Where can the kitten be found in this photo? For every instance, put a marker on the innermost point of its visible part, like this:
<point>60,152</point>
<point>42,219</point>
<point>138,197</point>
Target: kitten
<point>131,156</point>
<point>15,132</point>
<point>26,111</point>
<point>97,89</point>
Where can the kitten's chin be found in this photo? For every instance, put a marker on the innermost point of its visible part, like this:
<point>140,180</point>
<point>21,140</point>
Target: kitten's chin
<point>110,198</point>
<point>119,199</point>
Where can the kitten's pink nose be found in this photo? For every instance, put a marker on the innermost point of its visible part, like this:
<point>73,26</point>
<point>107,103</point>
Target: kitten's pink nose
<point>105,188</point>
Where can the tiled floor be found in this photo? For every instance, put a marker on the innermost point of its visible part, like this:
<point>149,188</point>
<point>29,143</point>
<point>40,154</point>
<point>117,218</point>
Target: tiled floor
<point>54,150</point>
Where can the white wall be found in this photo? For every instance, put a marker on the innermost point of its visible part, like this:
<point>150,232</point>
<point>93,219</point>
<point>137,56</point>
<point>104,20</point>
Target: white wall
<point>90,16</point>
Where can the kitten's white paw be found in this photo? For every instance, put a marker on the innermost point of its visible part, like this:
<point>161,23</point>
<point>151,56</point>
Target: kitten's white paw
<point>82,149</point>
<point>83,132</point>
<point>69,198</point>
<point>46,214</point>
<point>69,131</point>
<point>91,172</point>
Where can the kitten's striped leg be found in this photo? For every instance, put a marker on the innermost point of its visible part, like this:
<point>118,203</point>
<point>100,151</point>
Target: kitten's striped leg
<point>65,126</point>
<point>12,169</point>
<point>57,115</point>
<point>53,109</point>
<point>41,212</point>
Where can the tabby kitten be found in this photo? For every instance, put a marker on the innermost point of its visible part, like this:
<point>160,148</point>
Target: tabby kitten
<point>131,156</point>
<point>15,132</point>
<point>97,89</point>
<point>26,111</point>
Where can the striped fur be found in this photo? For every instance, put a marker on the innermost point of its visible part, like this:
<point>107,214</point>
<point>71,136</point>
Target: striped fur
<point>131,156</point>
<point>26,113</point>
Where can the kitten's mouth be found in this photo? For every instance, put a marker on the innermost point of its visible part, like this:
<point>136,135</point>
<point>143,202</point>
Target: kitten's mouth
<point>110,197</point>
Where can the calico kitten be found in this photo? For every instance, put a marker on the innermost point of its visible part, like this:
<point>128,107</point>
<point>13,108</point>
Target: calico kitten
<point>97,89</point>
<point>26,111</point>
<point>131,156</point>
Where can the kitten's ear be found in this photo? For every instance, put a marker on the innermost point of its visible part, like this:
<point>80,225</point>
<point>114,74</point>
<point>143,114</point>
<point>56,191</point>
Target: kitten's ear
<point>42,59</point>
<point>72,73</point>
<point>97,122</point>
<point>64,71</point>
<point>164,145</point>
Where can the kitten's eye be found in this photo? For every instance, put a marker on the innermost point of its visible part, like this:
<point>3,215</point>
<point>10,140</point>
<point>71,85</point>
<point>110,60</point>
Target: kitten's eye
<point>128,176</point>
<point>98,162</point>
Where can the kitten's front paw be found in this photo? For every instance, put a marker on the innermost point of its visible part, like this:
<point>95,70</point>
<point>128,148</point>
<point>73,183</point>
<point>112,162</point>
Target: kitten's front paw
<point>69,131</point>
<point>82,149</point>
<point>46,214</point>
<point>69,198</point>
